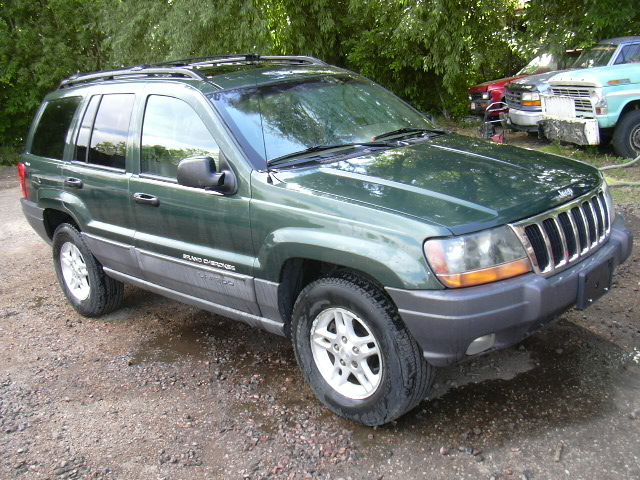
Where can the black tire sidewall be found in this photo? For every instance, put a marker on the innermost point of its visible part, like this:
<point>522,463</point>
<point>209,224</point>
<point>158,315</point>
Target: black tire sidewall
<point>622,134</point>
<point>90,306</point>
<point>327,294</point>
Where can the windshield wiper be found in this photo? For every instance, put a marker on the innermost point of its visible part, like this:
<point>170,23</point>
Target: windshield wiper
<point>406,131</point>
<point>320,148</point>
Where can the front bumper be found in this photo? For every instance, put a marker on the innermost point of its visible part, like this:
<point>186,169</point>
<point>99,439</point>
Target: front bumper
<point>523,120</point>
<point>581,131</point>
<point>445,322</point>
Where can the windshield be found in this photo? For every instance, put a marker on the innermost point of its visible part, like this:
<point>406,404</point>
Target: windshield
<point>597,56</point>
<point>541,64</point>
<point>319,110</point>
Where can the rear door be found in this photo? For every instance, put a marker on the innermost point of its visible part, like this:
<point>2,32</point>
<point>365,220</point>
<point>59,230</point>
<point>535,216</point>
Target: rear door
<point>193,241</point>
<point>96,179</point>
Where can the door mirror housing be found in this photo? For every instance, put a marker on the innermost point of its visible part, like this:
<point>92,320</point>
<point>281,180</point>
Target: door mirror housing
<point>200,172</point>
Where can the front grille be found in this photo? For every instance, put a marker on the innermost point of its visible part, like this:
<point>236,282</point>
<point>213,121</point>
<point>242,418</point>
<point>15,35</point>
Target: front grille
<point>581,99</point>
<point>557,239</point>
<point>514,99</point>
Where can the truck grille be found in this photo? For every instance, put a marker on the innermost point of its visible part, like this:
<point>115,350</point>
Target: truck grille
<point>559,238</point>
<point>514,99</point>
<point>581,97</point>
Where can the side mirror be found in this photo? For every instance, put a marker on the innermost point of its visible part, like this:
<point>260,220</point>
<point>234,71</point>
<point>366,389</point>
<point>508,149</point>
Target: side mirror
<point>200,172</point>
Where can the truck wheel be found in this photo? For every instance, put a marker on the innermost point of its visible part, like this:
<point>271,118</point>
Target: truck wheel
<point>626,137</point>
<point>89,290</point>
<point>356,353</point>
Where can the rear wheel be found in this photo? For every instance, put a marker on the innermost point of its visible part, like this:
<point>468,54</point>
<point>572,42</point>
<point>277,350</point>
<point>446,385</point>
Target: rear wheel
<point>356,353</point>
<point>626,137</point>
<point>87,288</point>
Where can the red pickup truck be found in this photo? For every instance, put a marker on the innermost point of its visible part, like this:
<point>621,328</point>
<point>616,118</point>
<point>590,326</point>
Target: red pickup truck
<point>486,93</point>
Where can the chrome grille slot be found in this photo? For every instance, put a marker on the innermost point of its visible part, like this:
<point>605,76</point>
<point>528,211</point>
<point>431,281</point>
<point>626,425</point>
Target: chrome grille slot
<point>558,238</point>
<point>591,224</point>
<point>581,227</point>
<point>569,233</point>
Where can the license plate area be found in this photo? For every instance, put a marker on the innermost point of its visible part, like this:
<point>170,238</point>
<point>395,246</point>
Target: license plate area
<point>594,283</point>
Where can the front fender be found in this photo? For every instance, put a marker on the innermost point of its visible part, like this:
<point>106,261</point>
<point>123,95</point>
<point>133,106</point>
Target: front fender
<point>390,261</point>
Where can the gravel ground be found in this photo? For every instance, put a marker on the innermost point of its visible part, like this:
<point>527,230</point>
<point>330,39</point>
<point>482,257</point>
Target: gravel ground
<point>162,390</point>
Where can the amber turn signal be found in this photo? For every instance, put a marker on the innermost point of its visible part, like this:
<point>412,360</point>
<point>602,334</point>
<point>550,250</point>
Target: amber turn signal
<point>486,275</point>
<point>531,103</point>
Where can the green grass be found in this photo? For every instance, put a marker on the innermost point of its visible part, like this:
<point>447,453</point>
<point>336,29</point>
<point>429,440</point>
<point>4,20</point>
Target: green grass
<point>9,156</point>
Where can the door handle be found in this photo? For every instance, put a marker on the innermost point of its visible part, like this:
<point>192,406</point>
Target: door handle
<point>73,182</point>
<point>146,199</point>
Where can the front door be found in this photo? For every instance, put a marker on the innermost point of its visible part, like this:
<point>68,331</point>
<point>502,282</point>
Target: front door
<point>189,240</point>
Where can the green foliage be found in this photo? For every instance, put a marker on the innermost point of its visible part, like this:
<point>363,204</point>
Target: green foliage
<point>9,156</point>
<point>41,42</point>
<point>427,51</point>
<point>577,23</point>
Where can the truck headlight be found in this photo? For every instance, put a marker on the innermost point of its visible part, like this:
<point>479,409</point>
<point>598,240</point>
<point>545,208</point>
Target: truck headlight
<point>485,96</point>
<point>531,99</point>
<point>477,258</point>
<point>530,96</point>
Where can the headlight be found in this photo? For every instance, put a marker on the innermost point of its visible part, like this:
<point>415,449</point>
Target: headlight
<point>485,96</point>
<point>530,96</point>
<point>477,258</point>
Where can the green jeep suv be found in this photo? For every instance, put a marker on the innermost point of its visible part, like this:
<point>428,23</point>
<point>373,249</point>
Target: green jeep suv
<point>306,200</point>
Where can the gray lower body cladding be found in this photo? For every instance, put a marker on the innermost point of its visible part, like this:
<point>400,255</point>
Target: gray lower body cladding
<point>445,322</point>
<point>35,216</point>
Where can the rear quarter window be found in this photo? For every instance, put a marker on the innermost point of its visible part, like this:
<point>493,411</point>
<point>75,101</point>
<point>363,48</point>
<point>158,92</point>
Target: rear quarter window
<point>51,133</point>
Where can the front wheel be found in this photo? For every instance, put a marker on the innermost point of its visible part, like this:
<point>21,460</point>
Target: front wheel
<point>626,137</point>
<point>356,353</point>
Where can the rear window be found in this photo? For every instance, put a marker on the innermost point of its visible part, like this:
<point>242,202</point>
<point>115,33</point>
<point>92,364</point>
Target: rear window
<point>110,131</point>
<point>51,132</point>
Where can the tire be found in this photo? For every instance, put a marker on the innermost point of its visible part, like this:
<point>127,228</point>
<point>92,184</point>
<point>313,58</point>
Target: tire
<point>626,137</point>
<point>403,377</point>
<point>87,288</point>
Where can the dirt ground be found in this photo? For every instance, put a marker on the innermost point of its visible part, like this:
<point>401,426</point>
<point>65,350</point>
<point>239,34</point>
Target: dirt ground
<point>160,390</point>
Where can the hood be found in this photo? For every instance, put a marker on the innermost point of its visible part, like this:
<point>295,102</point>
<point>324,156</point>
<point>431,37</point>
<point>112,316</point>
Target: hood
<point>460,183</point>
<point>598,76</point>
<point>501,82</point>
<point>533,82</point>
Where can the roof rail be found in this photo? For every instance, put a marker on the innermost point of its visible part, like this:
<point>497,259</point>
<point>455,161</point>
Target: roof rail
<point>245,57</point>
<point>141,70</point>
<point>187,67</point>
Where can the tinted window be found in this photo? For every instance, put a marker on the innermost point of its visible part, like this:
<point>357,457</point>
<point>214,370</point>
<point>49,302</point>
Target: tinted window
<point>110,130</point>
<point>172,131</point>
<point>629,54</point>
<point>50,135</point>
<point>84,134</point>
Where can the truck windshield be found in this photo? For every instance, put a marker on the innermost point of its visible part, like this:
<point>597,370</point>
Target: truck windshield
<point>281,119</point>
<point>541,64</point>
<point>597,56</point>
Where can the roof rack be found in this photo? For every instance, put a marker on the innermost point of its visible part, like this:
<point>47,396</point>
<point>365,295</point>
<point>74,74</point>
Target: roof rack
<point>141,70</point>
<point>186,68</point>
<point>246,57</point>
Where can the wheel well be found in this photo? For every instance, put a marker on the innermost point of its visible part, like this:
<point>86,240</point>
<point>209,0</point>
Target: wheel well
<point>54,218</point>
<point>297,273</point>
<point>634,105</point>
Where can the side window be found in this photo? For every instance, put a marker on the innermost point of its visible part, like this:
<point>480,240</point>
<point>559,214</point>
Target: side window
<point>629,54</point>
<point>84,133</point>
<point>172,131</point>
<point>51,132</point>
<point>110,131</point>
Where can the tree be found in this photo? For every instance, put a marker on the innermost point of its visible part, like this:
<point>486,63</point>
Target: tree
<point>42,42</point>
